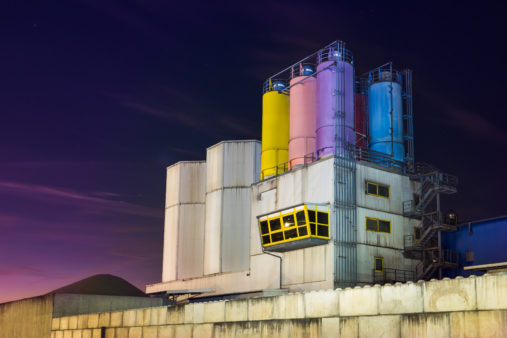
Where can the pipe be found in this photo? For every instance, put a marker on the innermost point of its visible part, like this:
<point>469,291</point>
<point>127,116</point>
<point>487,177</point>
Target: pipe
<point>280,258</point>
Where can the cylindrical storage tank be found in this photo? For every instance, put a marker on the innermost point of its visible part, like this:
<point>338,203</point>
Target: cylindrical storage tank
<point>385,119</point>
<point>360,119</point>
<point>303,115</point>
<point>275,129</point>
<point>335,101</point>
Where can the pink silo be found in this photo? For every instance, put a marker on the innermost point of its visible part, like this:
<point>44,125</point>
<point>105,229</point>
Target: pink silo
<point>303,115</point>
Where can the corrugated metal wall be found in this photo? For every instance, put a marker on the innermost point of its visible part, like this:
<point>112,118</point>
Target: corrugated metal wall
<point>184,221</point>
<point>232,167</point>
<point>371,244</point>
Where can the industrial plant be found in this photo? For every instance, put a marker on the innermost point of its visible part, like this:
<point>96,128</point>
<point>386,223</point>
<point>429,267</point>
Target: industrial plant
<point>332,196</point>
<point>326,228</point>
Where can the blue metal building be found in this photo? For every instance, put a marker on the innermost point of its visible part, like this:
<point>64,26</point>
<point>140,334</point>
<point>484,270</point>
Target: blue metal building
<point>478,243</point>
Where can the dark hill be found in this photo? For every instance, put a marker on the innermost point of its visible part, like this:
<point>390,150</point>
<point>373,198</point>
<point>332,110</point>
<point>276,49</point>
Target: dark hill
<point>102,285</point>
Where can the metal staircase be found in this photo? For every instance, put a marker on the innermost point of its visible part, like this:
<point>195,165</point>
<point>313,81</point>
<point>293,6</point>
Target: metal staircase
<point>427,246</point>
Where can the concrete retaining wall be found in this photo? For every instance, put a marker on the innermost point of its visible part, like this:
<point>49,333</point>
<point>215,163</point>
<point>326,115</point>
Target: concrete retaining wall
<point>27,318</point>
<point>462,307</point>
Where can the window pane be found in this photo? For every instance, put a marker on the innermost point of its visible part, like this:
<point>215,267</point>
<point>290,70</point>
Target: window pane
<point>312,228</point>
<point>417,232</point>
<point>371,188</point>
<point>383,191</point>
<point>371,224</point>
<point>378,264</point>
<point>323,230</point>
<point>275,224</point>
<point>303,231</point>
<point>384,226</point>
<point>322,217</point>
<point>277,237</point>
<point>311,215</point>
<point>292,233</point>
<point>265,239</point>
<point>264,227</point>
<point>288,221</point>
<point>300,216</point>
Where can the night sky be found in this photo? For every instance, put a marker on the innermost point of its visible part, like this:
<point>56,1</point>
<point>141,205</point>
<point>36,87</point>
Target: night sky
<point>98,97</point>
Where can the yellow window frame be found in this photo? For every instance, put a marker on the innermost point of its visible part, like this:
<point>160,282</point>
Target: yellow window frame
<point>415,234</point>
<point>375,263</point>
<point>376,188</point>
<point>292,212</point>
<point>378,228</point>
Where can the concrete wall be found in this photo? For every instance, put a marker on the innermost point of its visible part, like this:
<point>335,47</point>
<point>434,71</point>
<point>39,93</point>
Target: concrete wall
<point>27,318</point>
<point>65,304</point>
<point>462,307</point>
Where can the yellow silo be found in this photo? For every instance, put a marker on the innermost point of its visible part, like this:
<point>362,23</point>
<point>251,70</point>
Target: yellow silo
<point>275,129</point>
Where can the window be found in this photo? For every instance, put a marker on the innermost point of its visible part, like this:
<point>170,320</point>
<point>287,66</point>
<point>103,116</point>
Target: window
<point>379,264</point>
<point>294,223</point>
<point>469,256</point>
<point>377,189</point>
<point>417,234</point>
<point>378,225</point>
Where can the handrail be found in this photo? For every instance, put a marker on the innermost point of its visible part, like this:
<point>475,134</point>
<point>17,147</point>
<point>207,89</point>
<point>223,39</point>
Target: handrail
<point>393,275</point>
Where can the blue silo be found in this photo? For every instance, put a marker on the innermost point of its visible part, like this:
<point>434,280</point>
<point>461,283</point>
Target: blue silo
<point>385,113</point>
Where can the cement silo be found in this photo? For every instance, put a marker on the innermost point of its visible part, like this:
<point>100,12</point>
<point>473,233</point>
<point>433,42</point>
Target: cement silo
<point>335,100</point>
<point>275,129</point>
<point>303,114</point>
<point>385,112</point>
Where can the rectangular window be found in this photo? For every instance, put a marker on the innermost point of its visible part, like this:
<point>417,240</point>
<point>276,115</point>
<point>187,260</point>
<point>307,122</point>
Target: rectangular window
<point>300,217</point>
<point>277,237</point>
<point>379,264</point>
<point>311,216</point>
<point>275,224</point>
<point>377,189</point>
<point>371,224</point>
<point>294,224</point>
<point>469,256</point>
<point>384,226</point>
<point>288,221</point>
<point>303,231</point>
<point>322,218</point>
<point>378,225</point>
<point>417,233</point>
<point>292,233</point>
<point>264,227</point>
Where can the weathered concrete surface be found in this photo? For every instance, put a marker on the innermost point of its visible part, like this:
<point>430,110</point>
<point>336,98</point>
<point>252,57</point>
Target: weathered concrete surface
<point>450,295</point>
<point>359,301</point>
<point>28,318</point>
<point>462,307</point>
<point>401,298</point>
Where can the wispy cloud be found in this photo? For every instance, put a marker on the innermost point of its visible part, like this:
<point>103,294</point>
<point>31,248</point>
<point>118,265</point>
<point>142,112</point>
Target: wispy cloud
<point>190,115</point>
<point>58,163</point>
<point>93,203</point>
<point>475,124</point>
<point>186,151</point>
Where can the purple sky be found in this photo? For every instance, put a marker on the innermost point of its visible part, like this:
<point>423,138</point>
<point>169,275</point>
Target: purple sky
<point>98,97</point>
